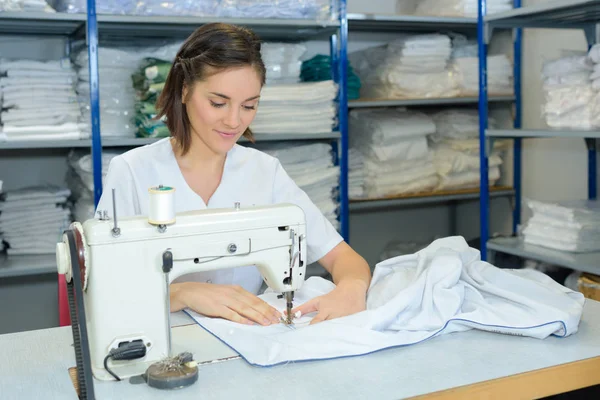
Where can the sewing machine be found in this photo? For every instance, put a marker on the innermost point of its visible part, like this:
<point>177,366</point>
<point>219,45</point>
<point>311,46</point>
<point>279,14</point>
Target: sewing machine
<point>126,266</point>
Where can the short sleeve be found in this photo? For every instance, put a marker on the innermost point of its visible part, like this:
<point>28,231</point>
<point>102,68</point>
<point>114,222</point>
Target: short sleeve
<point>321,236</point>
<point>120,178</point>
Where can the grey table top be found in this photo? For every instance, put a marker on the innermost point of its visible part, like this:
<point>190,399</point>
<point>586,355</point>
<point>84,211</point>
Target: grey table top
<point>34,365</point>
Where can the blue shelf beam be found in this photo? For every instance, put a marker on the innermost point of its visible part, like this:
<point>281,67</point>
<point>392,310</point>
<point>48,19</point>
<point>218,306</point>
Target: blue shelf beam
<point>517,155</point>
<point>484,204</point>
<point>343,118</point>
<point>92,41</point>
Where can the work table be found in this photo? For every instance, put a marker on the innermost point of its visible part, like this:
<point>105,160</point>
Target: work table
<point>35,365</point>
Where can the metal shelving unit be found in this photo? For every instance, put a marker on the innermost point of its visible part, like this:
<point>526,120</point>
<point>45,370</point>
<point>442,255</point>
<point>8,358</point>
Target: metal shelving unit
<point>406,23</point>
<point>95,27</point>
<point>133,142</point>
<point>18,266</point>
<point>584,262</point>
<point>563,14</point>
<point>413,23</point>
<point>423,199</point>
<point>368,103</point>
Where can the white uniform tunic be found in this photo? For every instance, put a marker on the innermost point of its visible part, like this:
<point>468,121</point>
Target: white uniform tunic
<point>250,177</point>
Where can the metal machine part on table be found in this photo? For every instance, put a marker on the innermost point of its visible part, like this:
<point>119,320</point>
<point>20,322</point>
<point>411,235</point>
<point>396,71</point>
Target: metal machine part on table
<point>125,271</point>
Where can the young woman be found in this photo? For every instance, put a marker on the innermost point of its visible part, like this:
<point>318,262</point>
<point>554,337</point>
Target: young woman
<point>209,100</point>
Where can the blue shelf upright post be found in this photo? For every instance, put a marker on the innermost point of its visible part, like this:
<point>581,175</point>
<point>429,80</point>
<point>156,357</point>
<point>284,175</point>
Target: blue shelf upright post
<point>483,123</point>
<point>339,66</point>
<point>518,37</point>
<point>343,115</point>
<point>92,45</point>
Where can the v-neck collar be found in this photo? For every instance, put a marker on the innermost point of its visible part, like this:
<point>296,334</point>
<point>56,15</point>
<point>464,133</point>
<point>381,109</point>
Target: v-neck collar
<point>184,185</point>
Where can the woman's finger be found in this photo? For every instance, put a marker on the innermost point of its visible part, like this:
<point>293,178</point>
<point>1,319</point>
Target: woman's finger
<point>308,307</point>
<point>231,315</point>
<point>320,317</point>
<point>247,311</point>
<point>269,314</point>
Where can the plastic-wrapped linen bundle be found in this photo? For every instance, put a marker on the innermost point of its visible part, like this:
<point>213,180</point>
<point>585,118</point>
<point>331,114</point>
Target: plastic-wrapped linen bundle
<point>117,96</point>
<point>455,146</point>
<point>312,169</point>
<point>570,100</point>
<point>465,66</point>
<point>282,61</point>
<point>296,108</point>
<point>44,89</point>
<point>356,174</point>
<point>397,158</point>
<point>124,7</point>
<point>80,180</point>
<point>460,8</point>
<point>26,5</point>
<point>594,56</point>
<point>301,9</point>
<point>413,66</point>
<point>148,82</point>
<point>568,225</point>
<point>33,219</point>
<point>318,68</point>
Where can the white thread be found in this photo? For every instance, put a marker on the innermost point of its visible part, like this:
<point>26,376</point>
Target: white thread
<point>162,205</point>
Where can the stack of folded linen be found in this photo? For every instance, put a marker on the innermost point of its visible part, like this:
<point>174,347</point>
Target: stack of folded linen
<point>465,67</point>
<point>412,66</point>
<point>44,90</point>
<point>312,169</point>
<point>396,153</point>
<point>306,107</point>
<point>572,225</point>
<point>455,146</point>
<point>80,180</point>
<point>570,100</point>
<point>356,174</point>
<point>460,8</point>
<point>117,96</point>
<point>33,219</point>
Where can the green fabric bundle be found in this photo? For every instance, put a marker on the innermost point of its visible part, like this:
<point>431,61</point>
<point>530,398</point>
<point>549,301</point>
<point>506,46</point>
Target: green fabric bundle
<point>318,68</point>
<point>149,81</point>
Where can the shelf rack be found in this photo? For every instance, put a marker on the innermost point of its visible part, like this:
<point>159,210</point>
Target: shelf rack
<point>95,27</point>
<point>359,22</point>
<point>563,14</point>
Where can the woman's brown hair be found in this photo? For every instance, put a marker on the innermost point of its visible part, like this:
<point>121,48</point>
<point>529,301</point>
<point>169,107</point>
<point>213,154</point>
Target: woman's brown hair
<point>210,49</point>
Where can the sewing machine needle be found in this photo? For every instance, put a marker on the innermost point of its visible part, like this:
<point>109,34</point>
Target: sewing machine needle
<point>289,298</point>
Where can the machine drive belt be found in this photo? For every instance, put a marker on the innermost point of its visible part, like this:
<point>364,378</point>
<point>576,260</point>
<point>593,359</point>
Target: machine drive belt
<point>77,312</point>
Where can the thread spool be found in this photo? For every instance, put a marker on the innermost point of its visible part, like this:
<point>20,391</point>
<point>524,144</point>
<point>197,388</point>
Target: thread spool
<point>162,205</point>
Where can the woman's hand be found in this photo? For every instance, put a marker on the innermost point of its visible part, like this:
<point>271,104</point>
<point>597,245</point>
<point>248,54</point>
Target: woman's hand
<point>225,301</point>
<point>349,297</point>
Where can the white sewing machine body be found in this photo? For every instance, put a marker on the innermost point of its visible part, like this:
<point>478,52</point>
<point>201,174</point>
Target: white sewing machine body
<point>126,296</point>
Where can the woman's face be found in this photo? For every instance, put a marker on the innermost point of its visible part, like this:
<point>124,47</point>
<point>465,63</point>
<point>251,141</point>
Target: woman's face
<point>221,107</point>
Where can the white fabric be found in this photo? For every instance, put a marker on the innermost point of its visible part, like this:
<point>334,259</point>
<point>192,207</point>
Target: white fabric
<point>311,167</point>
<point>38,101</point>
<point>32,219</point>
<point>459,8</point>
<point>395,154</point>
<point>250,177</point>
<point>441,289</point>
<point>567,226</point>
<point>499,75</point>
<point>571,98</point>
<point>296,108</point>
<point>412,66</point>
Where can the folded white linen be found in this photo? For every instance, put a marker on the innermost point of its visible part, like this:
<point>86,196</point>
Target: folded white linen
<point>441,289</point>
